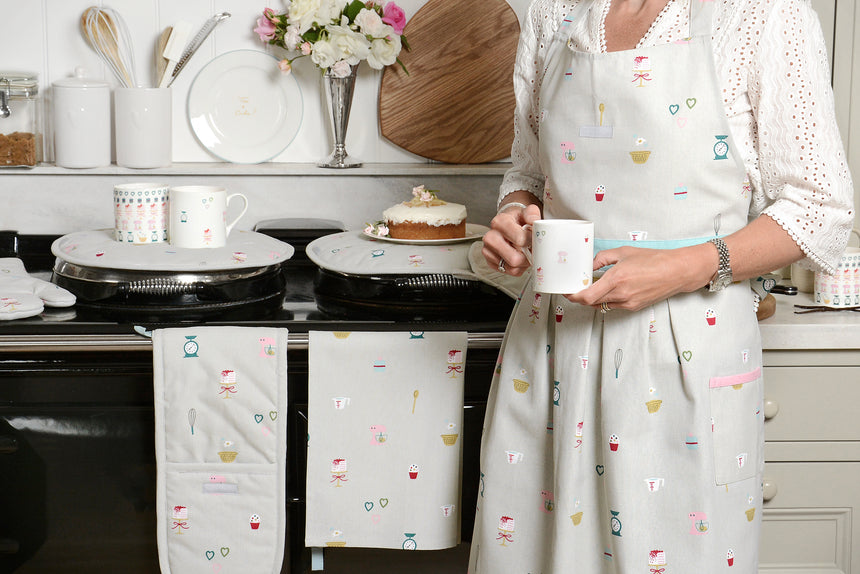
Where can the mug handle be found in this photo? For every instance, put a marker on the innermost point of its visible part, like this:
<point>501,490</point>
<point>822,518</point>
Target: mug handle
<point>238,217</point>
<point>526,250</point>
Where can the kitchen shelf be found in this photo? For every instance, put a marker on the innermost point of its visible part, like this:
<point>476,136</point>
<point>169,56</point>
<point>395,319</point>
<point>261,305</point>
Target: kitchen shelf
<point>277,169</point>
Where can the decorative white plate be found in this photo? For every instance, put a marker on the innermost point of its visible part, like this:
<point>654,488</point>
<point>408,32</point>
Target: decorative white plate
<point>243,109</point>
<point>473,232</point>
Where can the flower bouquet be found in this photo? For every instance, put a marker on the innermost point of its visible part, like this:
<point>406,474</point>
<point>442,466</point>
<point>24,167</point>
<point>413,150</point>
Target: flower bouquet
<point>336,34</point>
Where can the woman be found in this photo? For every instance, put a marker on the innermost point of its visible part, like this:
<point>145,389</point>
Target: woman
<point>624,430</point>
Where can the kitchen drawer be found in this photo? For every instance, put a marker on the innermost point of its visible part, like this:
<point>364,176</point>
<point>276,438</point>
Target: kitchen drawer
<point>810,513</point>
<point>812,403</point>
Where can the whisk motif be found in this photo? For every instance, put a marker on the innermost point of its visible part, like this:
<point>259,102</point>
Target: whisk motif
<point>107,34</point>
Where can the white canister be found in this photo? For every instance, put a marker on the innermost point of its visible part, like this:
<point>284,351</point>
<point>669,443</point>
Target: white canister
<point>81,121</point>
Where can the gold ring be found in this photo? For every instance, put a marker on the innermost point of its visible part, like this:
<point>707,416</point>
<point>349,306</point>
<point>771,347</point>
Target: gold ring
<point>501,265</point>
<point>604,307</point>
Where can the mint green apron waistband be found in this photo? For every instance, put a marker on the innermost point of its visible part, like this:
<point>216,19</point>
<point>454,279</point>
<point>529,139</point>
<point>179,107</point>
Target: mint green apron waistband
<point>603,244</point>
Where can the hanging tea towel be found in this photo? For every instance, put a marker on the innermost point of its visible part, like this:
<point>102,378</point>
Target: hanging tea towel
<point>385,414</point>
<point>220,447</point>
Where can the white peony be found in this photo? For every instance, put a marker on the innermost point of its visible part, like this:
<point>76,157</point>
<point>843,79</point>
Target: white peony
<point>303,13</point>
<point>384,52</point>
<point>352,46</point>
<point>370,23</point>
<point>292,38</point>
<point>329,10</point>
<point>324,54</point>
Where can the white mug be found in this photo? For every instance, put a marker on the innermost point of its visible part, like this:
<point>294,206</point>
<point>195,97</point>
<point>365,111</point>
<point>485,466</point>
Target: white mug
<point>341,403</point>
<point>198,215</point>
<point>140,212</point>
<point>562,255</point>
<point>513,457</point>
<point>842,289</point>
<point>654,484</point>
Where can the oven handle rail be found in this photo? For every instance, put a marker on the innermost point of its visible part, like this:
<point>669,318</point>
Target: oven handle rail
<point>132,342</point>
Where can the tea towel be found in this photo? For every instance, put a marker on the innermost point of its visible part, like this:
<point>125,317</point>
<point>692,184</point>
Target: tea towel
<point>220,446</point>
<point>385,414</point>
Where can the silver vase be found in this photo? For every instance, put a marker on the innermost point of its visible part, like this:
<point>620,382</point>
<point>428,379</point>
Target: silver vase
<point>338,93</point>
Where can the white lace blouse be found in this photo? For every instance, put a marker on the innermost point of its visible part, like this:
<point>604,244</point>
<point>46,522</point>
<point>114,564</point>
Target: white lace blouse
<point>771,60</point>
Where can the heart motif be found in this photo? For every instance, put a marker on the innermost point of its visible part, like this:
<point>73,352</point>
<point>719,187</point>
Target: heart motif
<point>216,568</point>
<point>375,518</point>
<point>599,468</point>
<point>383,502</point>
<point>258,418</point>
<point>368,505</point>
<point>210,555</point>
<point>682,122</point>
<point>691,102</point>
<point>673,109</point>
<point>273,415</point>
<point>225,550</point>
<point>687,355</point>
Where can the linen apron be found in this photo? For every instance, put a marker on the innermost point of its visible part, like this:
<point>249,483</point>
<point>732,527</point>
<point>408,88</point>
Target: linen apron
<point>629,441</point>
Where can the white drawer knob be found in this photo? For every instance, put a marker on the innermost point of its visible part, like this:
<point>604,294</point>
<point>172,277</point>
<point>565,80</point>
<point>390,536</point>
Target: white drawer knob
<point>768,489</point>
<point>771,408</point>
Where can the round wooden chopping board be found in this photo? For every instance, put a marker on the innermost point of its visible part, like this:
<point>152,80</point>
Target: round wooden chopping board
<point>456,105</point>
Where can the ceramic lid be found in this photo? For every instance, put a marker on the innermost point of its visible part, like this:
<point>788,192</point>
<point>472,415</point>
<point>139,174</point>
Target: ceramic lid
<point>80,80</point>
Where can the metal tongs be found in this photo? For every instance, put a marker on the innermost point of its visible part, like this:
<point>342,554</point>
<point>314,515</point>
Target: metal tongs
<point>196,42</point>
<point>821,308</point>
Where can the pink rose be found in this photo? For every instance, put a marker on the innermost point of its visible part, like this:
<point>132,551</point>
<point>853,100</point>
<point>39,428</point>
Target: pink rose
<point>285,66</point>
<point>394,16</point>
<point>341,69</point>
<point>306,49</point>
<point>265,28</point>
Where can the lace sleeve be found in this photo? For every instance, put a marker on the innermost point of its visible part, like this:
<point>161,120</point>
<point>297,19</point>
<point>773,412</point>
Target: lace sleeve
<point>538,30</point>
<point>805,177</point>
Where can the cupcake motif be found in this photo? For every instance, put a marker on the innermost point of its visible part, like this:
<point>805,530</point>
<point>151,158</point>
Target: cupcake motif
<point>449,437</point>
<point>711,317</point>
<point>730,557</point>
<point>613,442</point>
<point>750,512</point>
<point>521,385</point>
<point>413,471</point>
<point>654,403</point>
<point>228,454</point>
<point>255,522</point>
<point>599,192</point>
<point>640,154</point>
<point>455,363</point>
<point>559,313</point>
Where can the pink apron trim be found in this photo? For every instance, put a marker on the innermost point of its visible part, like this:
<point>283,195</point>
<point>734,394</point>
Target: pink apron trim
<point>740,379</point>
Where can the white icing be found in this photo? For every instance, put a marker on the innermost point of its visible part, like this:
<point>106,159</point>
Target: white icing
<point>436,215</point>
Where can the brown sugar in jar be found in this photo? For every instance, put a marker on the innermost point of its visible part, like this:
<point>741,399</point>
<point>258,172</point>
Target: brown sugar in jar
<point>18,119</point>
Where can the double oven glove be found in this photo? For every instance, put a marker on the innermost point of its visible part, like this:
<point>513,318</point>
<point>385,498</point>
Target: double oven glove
<point>24,296</point>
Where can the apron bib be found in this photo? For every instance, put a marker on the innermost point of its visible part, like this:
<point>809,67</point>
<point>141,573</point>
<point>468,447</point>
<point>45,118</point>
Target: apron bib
<point>629,442</point>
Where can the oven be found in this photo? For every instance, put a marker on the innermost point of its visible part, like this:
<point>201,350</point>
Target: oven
<point>77,453</point>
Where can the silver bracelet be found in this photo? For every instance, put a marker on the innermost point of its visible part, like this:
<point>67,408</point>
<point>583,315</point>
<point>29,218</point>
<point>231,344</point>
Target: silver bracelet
<point>511,204</point>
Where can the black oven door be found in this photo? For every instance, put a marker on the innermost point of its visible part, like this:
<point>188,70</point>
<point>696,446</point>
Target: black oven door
<point>77,463</point>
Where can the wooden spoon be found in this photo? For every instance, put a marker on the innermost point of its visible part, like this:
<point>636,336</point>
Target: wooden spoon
<point>160,60</point>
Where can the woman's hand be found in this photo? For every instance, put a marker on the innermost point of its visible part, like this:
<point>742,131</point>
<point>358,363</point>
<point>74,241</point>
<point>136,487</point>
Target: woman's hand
<point>508,236</point>
<point>641,277</point>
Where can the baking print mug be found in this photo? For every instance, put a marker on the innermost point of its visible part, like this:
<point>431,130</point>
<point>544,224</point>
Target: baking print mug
<point>562,254</point>
<point>140,212</point>
<point>842,289</point>
<point>198,215</point>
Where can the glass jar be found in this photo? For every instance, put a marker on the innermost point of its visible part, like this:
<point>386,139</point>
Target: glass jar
<point>19,113</point>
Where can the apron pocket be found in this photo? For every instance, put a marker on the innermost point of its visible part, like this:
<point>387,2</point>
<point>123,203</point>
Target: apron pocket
<point>735,423</point>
